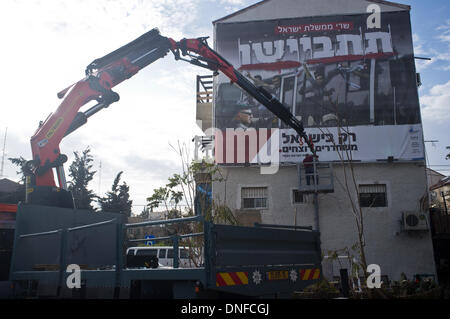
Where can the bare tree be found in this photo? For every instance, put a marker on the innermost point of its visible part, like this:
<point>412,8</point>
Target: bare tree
<point>186,194</point>
<point>351,189</point>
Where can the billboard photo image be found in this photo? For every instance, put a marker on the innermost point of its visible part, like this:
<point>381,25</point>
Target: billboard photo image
<point>330,72</point>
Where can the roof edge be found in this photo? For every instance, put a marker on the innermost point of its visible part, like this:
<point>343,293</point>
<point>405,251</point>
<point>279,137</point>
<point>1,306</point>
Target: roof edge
<point>394,4</point>
<point>430,169</point>
<point>389,3</point>
<point>444,182</point>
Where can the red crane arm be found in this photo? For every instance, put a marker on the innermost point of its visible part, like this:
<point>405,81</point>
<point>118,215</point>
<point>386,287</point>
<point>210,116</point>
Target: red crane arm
<point>105,73</point>
<point>101,76</point>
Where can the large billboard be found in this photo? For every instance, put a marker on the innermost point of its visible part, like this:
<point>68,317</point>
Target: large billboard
<point>353,87</point>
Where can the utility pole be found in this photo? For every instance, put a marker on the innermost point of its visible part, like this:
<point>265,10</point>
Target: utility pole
<point>3,154</point>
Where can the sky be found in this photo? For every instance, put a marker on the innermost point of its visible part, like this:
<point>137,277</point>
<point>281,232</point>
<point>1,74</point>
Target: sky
<point>46,45</point>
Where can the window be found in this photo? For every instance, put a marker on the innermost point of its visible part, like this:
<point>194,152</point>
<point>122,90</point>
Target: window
<point>146,252</point>
<point>254,197</point>
<point>183,253</point>
<point>297,197</point>
<point>162,253</point>
<point>372,195</point>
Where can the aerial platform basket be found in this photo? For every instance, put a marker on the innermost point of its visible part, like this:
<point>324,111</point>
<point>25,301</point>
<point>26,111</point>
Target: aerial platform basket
<point>321,180</point>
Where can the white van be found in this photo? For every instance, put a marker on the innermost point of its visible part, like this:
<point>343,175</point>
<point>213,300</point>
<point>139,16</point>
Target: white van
<point>164,254</point>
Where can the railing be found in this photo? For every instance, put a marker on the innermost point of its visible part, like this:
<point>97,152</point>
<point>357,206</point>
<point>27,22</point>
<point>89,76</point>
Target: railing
<point>294,227</point>
<point>175,239</point>
<point>318,177</point>
<point>204,88</point>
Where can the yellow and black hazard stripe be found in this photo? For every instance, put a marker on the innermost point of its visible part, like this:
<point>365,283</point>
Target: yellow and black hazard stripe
<point>310,274</point>
<point>231,278</point>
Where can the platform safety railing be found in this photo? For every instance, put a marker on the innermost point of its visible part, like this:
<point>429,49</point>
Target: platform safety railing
<point>319,177</point>
<point>175,239</point>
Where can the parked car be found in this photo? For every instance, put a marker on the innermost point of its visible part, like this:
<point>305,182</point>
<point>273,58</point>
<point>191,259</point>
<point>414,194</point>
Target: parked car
<point>157,256</point>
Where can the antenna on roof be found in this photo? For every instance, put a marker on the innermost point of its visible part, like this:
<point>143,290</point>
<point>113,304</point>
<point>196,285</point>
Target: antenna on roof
<point>3,153</point>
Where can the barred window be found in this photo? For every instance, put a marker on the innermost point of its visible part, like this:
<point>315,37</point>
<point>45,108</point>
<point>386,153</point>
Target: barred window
<point>372,195</point>
<point>297,197</point>
<point>254,197</point>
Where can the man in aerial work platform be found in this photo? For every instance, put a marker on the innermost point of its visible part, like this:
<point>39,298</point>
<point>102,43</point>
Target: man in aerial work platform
<point>310,169</point>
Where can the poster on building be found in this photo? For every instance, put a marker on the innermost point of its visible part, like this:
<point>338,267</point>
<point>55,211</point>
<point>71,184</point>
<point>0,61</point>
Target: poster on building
<point>353,87</point>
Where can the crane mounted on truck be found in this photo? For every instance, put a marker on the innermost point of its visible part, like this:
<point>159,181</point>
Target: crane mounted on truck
<point>101,76</point>
<point>265,260</point>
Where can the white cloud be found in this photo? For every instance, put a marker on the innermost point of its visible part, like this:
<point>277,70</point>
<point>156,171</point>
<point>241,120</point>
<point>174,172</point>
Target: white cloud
<point>445,26</point>
<point>47,44</point>
<point>435,56</point>
<point>445,35</point>
<point>230,6</point>
<point>433,49</point>
<point>436,104</point>
<point>418,44</point>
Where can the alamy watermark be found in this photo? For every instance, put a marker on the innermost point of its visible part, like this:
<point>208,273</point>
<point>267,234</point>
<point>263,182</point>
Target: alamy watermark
<point>239,146</point>
<point>74,279</point>
<point>374,20</point>
<point>374,279</point>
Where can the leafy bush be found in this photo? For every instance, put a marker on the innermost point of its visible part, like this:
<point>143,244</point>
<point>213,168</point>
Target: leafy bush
<point>320,290</point>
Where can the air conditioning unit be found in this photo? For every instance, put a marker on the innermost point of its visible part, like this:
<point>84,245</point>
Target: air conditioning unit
<point>415,221</point>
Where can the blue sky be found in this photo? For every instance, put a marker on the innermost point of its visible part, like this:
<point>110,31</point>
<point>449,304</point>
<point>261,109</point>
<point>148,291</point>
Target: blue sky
<point>431,29</point>
<point>46,45</point>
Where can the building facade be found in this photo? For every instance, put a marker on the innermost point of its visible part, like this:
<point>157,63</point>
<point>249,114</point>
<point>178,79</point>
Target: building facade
<point>318,57</point>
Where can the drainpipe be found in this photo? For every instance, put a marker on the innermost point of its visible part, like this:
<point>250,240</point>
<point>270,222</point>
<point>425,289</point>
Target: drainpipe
<point>316,195</point>
<point>316,211</point>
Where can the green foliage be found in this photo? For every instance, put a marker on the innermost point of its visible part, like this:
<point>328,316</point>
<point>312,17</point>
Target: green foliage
<point>160,196</point>
<point>411,289</point>
<point>19,162</point>
<point>221,214</point>
<point>118,199</point>
<point>320,290</point>
<point>81,173</point>
<point>181,189</point>
<point>404,289</point>
<point>179,197</point>
<point>145,214</point>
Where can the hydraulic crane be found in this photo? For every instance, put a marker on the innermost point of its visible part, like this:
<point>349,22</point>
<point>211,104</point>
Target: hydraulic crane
<point>101,76</point>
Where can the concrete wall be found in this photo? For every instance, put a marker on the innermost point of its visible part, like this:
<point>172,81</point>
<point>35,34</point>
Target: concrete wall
<point>395,251</point>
